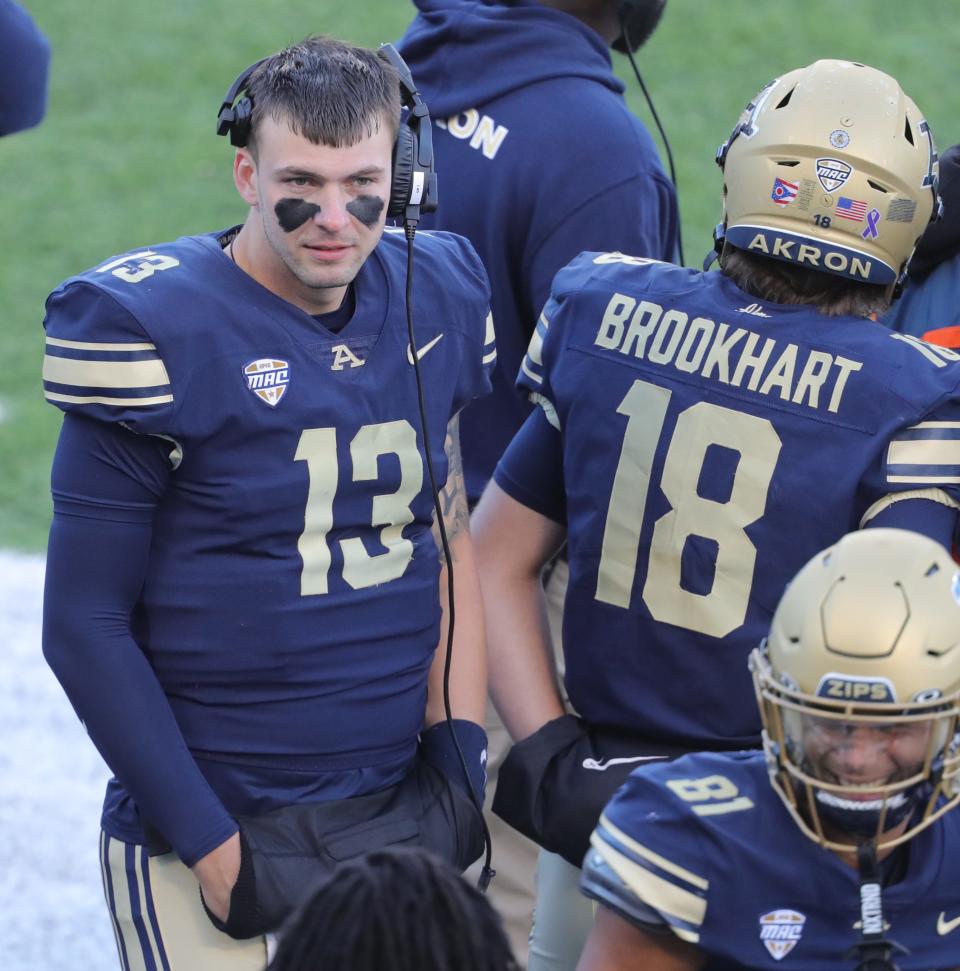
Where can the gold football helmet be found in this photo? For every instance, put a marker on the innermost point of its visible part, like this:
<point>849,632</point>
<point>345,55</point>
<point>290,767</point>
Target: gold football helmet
<point>859,690</point>
<point>831,167</point>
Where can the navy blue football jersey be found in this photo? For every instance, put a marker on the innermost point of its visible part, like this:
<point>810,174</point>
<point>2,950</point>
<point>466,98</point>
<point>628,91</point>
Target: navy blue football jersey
<point>711,445</point>
<point>705,845</point>
<point>290,608</point>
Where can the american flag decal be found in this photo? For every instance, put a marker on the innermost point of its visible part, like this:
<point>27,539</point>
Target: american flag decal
<point>925,454</point>
<point>854,209</point>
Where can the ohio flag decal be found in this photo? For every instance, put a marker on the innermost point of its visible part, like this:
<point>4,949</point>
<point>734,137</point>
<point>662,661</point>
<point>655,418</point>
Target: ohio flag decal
<point>784,192</point>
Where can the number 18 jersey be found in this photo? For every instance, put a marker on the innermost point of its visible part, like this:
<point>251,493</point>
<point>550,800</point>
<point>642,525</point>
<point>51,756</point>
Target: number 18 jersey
<point>710,446</point>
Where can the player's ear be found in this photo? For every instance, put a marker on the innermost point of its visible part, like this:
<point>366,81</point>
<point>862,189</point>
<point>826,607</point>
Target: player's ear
<point>245,176</point>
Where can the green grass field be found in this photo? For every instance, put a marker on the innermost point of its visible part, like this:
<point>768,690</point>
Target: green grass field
<point>127,154</point>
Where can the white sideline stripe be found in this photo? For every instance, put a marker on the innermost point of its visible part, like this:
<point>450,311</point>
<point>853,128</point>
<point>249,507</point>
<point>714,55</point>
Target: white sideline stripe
<point>55,804</point>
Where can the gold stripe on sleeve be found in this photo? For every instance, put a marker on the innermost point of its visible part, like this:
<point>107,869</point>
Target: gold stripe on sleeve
<point>491,334</point>
<point>662,862</point>
<point>924,451</point>
<point>666,898</point>
<point>75,399</point>
<point>105,374</point>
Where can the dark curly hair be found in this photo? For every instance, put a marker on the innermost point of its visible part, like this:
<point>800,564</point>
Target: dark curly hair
<point>397,909</point>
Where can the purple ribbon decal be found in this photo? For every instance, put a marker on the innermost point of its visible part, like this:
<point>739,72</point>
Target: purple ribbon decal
<point>873,220</point>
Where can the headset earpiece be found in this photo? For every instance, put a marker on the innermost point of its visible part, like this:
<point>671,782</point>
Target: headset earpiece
<point>413,189</point>
<point>236,119</point>
<point>404,151</point>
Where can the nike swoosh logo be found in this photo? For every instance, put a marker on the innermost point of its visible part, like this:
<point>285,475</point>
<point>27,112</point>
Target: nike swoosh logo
<point>945,926</point>
<point>602,766</point>
<point>422,350</point>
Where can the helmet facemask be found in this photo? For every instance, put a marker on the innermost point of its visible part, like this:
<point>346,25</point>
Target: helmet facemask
<point>850,772</point>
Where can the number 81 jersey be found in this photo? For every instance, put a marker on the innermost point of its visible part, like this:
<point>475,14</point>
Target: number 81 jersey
<point>710,445</point>
<point>291,602</point>
<point>703,848</point>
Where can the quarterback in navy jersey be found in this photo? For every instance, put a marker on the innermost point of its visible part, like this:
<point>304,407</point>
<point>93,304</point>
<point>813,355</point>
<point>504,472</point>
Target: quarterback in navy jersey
<point>837,847</point>
<point>255,634</point>
<point>698,437</point>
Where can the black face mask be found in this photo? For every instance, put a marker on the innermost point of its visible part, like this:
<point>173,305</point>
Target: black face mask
<point>638,20</point>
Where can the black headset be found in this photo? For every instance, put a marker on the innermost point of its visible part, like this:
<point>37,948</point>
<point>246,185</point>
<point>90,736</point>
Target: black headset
<point>638,20</point>
<point>413,189</point>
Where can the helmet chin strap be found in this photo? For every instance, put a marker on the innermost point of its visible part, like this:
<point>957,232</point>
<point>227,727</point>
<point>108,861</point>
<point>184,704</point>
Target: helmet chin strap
<point>873,951</point>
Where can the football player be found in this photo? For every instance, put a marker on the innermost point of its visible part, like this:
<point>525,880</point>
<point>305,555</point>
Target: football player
<point>835,847</point>
<point>528,215</point>
<point>700,435</point>
<point>244,594</point>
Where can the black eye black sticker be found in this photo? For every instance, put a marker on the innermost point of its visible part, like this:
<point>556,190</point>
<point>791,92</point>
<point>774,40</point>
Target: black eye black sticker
<point>293,213</point>
<point>366,209</point>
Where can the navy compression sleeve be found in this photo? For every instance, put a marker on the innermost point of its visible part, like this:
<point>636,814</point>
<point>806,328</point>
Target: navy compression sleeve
<point>106,484</point>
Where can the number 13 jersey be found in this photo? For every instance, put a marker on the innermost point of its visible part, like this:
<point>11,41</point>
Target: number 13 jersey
<point>710,445</point>
<point>290,606</point>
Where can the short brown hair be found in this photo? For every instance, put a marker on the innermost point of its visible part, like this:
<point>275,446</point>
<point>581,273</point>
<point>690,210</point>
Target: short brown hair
<point>329,92</point>
<point>780,282</point>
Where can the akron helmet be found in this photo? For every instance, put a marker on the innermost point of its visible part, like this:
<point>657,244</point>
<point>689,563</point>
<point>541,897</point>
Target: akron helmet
<point>859,689</point>
<point>833,168</point>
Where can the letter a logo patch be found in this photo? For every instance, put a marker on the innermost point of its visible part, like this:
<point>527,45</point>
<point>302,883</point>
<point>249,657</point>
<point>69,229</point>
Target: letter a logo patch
<point>267,378</point>
<point>780,931</point>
